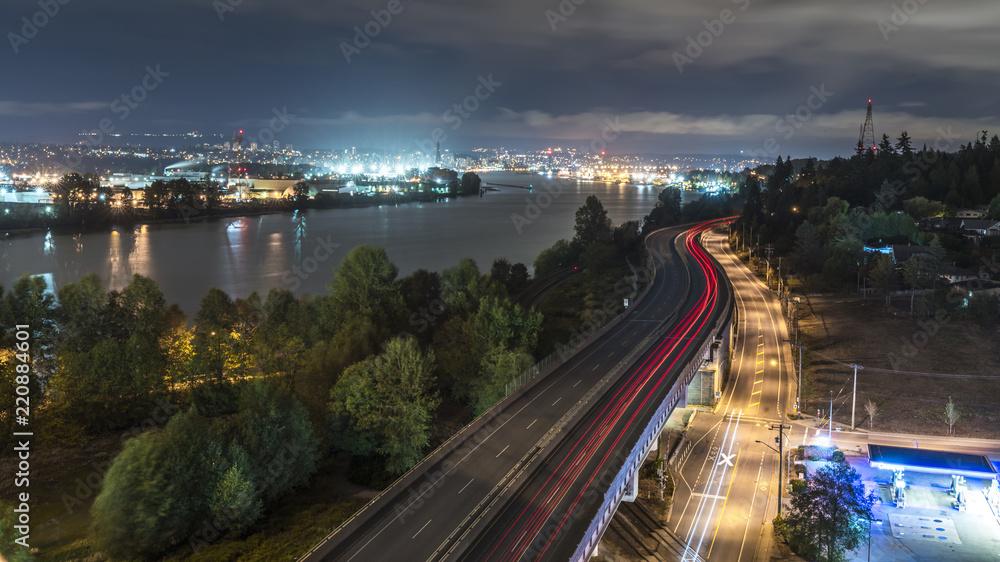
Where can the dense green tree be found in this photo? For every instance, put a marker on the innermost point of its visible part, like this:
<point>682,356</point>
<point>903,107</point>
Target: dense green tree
<point>904,144</point>
<point>365,285</point>
<point>500,271</point>
<point>830,516</point>
<point>592,223</point>
<point>993,211</point>
<point>922,208</point>
<point>274,429</point>
<point>882,276</point>
<point>559,256</point>
<point>518,278</point>
<point>471,183</point>
<point>667,210</point>
<point>885,146</point>
<point>808,250</point>
<point>156,491</point>
<point>81,313</point>
<point>498,368</point>
<point>156,195</point>
<point>385,404</point>
<point>234,499</point>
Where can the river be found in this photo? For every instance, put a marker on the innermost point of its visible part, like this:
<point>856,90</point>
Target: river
<point>299,251</point>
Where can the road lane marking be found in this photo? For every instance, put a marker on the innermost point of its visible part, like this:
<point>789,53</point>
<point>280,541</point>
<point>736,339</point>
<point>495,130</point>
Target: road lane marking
<point>727,459</point>
<point>576,383</point>
<point>557,401</point>
<point>724,503</point>
<point>421,529</point>
<point>501,452</point>
<point>709,496</point>
<point>466,486</point>
<point>531,424</point>
<point>595,367</point>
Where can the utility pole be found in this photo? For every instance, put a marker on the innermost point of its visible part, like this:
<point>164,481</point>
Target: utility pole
<point>829,433</point>
<point>781,448</point>
<point>854,398</point>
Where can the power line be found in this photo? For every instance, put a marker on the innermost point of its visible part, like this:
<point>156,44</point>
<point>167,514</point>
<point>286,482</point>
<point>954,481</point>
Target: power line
<point>897,371</point>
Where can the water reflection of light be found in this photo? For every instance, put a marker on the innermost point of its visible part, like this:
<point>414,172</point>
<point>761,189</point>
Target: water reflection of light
<point>298,232</point>
<point>49,245</point>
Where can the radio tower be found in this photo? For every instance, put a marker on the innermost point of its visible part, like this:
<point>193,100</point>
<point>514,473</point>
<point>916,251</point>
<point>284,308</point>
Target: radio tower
<point>238,140</point>
<point>867,137</point>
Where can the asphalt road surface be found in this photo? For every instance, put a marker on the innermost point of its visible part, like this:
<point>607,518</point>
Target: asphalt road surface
<point>466,489</point>
<point>727,488</point>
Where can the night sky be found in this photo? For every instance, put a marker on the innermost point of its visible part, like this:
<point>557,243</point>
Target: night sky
<point>636,64</point>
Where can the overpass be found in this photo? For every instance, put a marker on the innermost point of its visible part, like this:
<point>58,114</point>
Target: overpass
<point>540,474</point>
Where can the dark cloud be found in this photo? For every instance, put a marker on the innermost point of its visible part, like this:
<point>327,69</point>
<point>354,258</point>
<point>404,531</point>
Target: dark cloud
<point>707,77</point>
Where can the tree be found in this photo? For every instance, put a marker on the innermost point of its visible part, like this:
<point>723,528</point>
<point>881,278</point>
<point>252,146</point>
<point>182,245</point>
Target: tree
<point>825,519</point>
<point>592,223</point>
<point>871,409</point>
<point>922,208</point>
<point>552,259</point>
<point>993,211</point>
<point>885,146</point>
<point>156,195</point>
<point>950,414</point>
<point>385,404</point>
<point>882,275</point>
<point>667,210</point>
<point>904,144</point>
<point>156,490</point>
<point>916,276</point>
<point>808,250</point>
<point>274,428</point>
<point>364,284</point>
<point>471,183</point>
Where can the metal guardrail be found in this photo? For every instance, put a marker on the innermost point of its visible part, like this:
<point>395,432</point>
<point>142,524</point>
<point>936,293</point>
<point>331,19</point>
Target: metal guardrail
<point>549,363</point>
<point>619,486</point>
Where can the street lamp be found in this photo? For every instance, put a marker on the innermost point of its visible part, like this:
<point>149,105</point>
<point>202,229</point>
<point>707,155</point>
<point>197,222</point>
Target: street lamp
<point>780,439</point>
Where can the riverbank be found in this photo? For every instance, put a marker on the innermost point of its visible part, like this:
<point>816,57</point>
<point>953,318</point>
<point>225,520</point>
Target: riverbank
<point>125,219</point>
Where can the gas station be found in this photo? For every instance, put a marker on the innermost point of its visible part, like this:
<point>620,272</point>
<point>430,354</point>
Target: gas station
<point>959,466</point>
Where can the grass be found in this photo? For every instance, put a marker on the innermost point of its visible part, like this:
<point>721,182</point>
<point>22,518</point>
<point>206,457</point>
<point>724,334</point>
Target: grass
<point>65,480</point>
<point>568,309</point>
<point>867,333</point>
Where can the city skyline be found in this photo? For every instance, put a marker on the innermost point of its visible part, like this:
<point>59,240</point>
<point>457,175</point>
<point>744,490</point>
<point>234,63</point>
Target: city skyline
<point>396,75</point>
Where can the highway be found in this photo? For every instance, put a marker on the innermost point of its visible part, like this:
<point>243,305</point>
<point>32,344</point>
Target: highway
<point>549,515</point>
<point>726,489</point>
<point>466,486</point>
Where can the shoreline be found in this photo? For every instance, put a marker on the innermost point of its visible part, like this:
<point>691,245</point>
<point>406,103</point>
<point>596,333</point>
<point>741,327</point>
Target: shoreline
<point>235,213</point>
